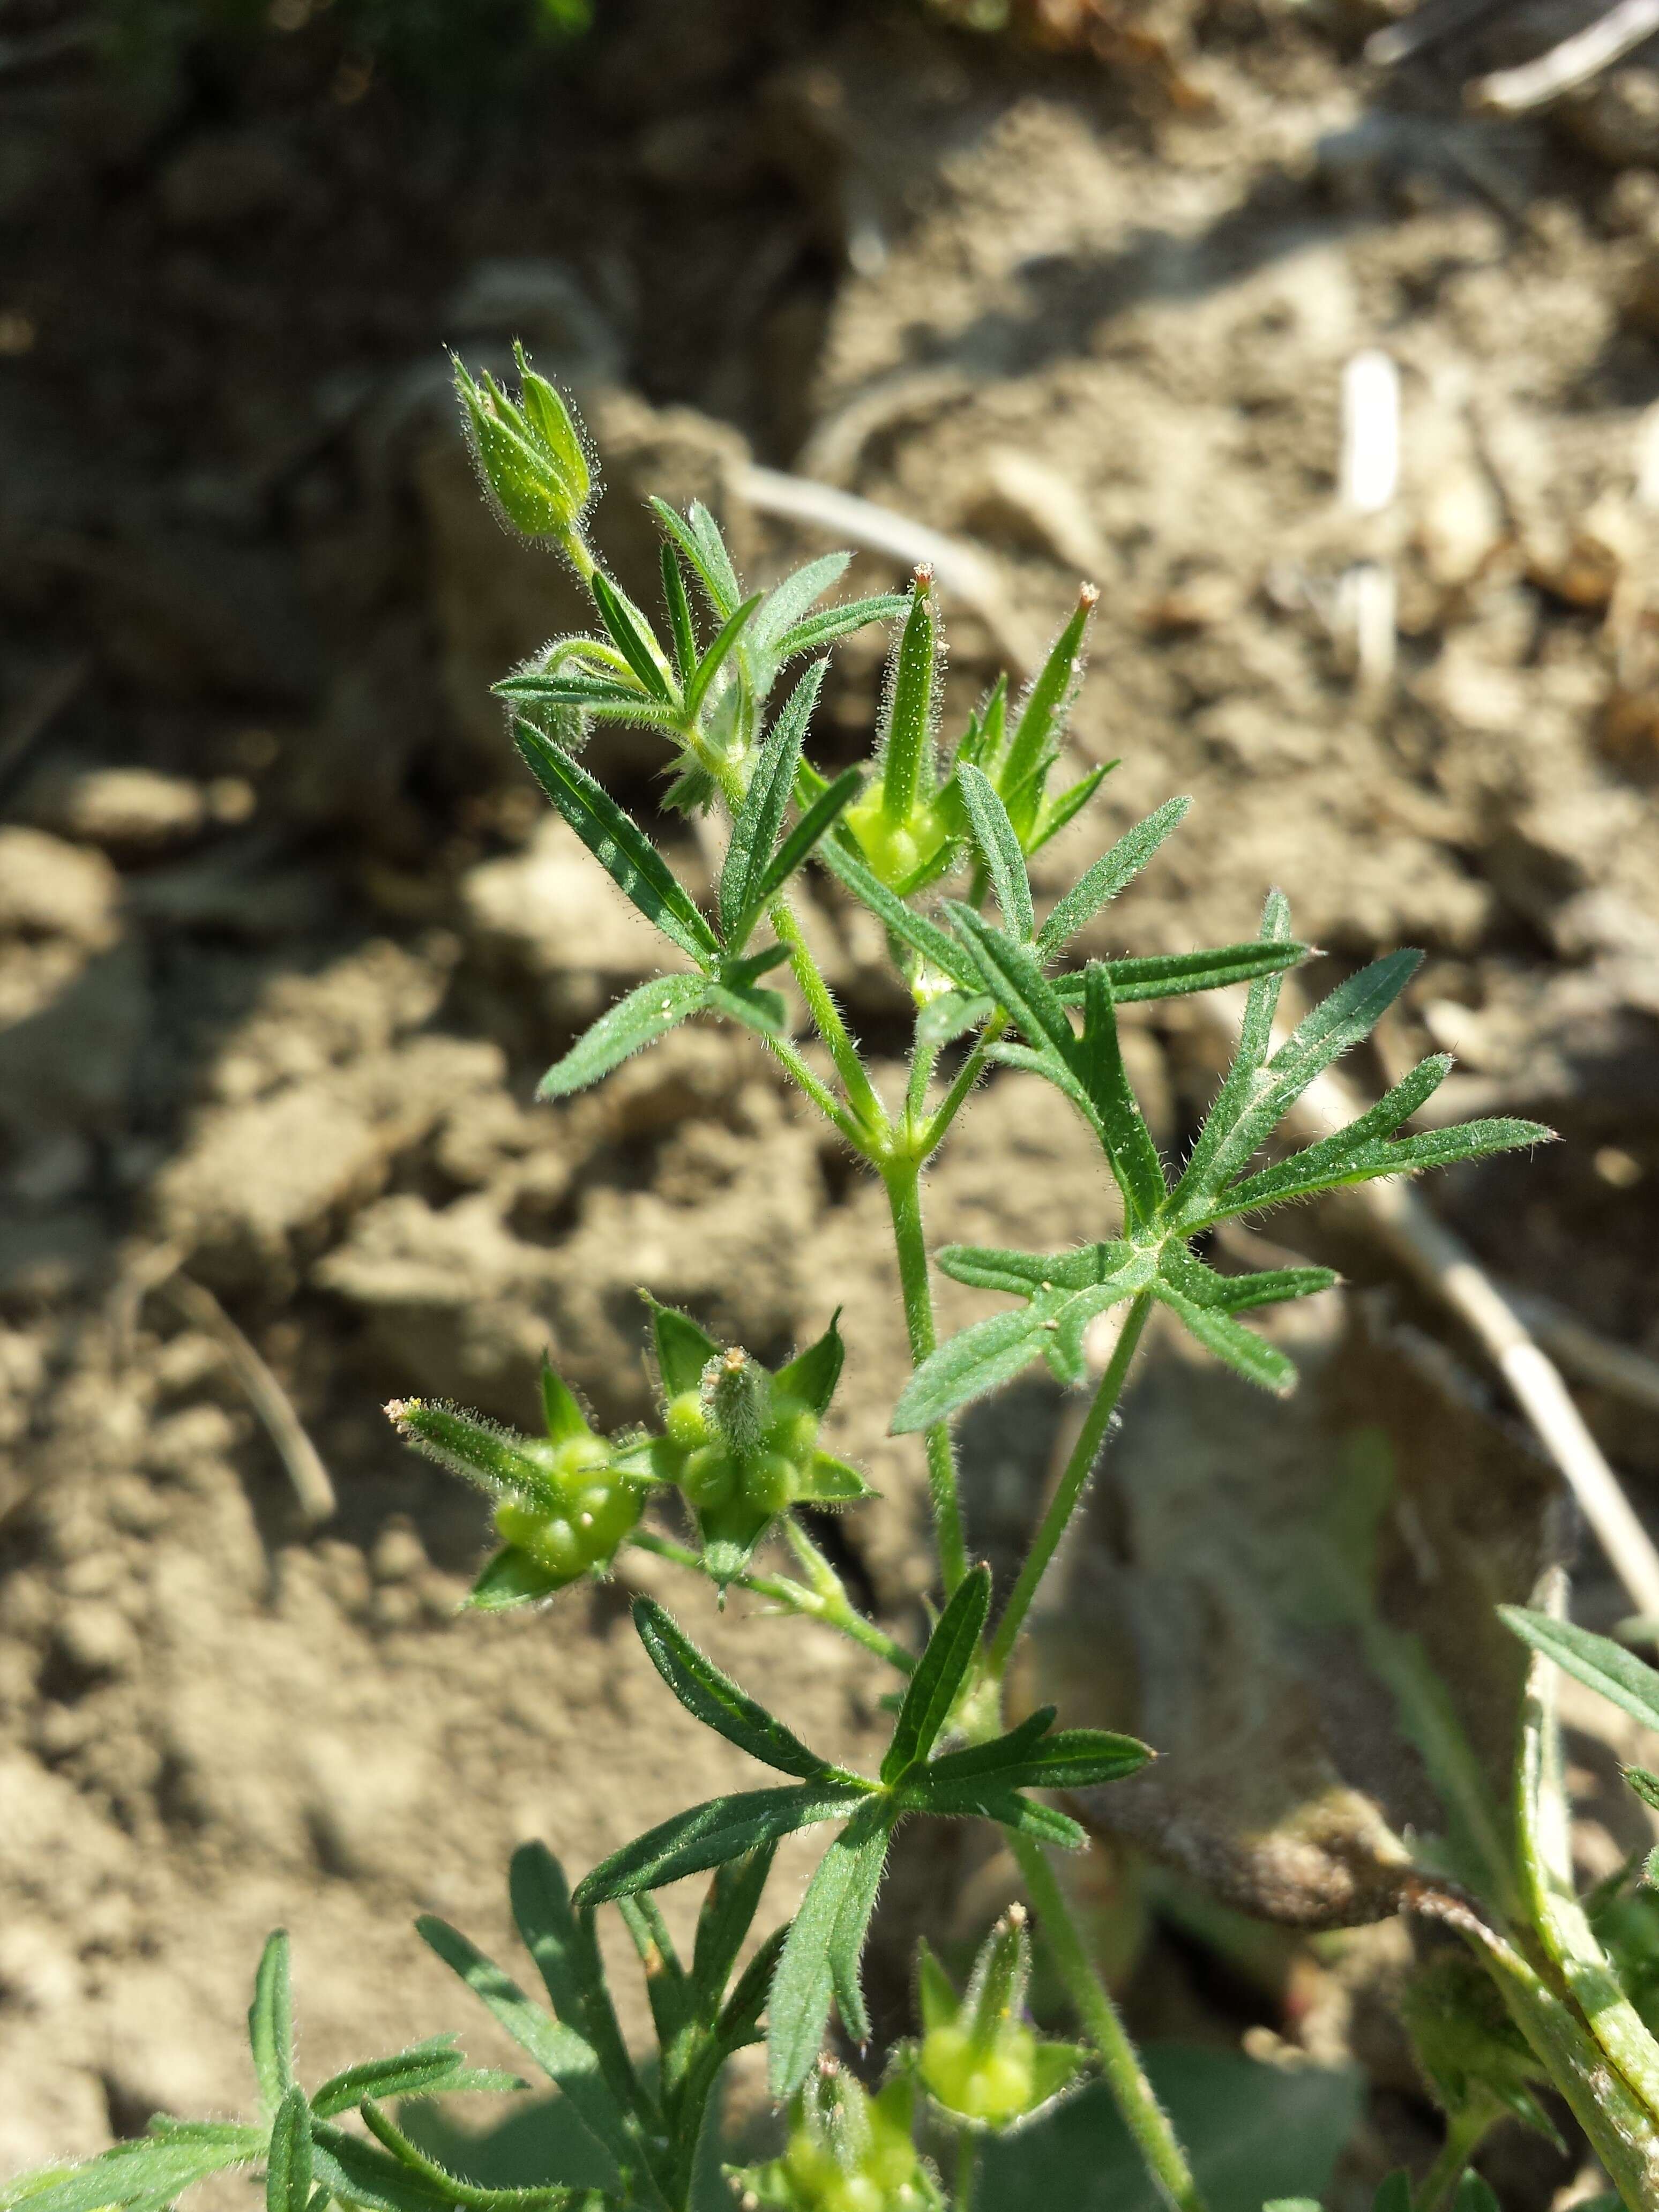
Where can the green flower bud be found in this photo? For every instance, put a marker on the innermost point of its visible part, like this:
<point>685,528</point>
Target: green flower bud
<point>530,452</point>
<point>564,1506</point>
<point>978,2059</point>
<point>847,2152</point>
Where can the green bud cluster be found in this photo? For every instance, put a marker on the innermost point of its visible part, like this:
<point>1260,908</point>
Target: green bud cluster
<point>847,2152</point>
<point>741,1443</point>
<point>565,1502</point>
<point>529,451</point>
<point>979,2059</point>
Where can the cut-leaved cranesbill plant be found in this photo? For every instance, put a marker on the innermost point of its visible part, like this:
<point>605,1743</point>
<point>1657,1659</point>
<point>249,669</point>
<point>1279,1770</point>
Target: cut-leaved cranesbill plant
<point>735,1451</point>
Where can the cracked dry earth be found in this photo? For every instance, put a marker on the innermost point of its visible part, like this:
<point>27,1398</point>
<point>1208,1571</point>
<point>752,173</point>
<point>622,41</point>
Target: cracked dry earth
<point>284,944</point>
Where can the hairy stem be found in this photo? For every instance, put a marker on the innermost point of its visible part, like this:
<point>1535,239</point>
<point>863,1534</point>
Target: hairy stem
<point>794,1597</point>
<point>1070,1487</point>
<point>967,2170</point>
<point>968,1074</point>
<point>826,1018</point>
<point>902,1177</point>
<point>1464,2131</point>
<point>1136,2099</point>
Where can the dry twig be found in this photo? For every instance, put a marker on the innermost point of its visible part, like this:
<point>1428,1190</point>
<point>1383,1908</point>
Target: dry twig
<point>158,1273</point>
<point>1573,62</point>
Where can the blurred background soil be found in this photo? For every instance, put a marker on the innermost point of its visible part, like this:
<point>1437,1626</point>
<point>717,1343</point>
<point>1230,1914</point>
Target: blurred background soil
<point>285,939</point>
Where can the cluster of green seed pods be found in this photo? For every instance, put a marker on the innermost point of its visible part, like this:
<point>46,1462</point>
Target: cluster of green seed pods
<point>739,1442</point>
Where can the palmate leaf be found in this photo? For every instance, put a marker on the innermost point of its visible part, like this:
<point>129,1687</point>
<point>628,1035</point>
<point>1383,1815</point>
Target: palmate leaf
<point>708,1834</point>
<point>619,845</point>
<point>820,1956</point>
<point>931,1691</point>
<point>713,1698</point>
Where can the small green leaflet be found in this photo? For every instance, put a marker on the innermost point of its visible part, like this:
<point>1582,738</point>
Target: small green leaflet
<point>270,2024</point>
<point>566,2057</point>
<point>1109,875</point>
<point>933,1690</point>
<point>1594,1661</point>
<point>725,640</point>
<point>715,1699</point>
<point>819,1960</point>
<point>288,2155</point>
<point>567,1957</point>
<point>645,1014</point>
<point>1000,848</point>
<point>433,2069</point>
<point>707,1835</point>
<point>757,821</point>
<point>619,844</point>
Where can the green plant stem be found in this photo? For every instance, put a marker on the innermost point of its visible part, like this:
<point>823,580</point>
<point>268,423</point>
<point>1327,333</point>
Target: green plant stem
<point>1136,2099</point>
<point>902,1177</point>
<point>956,1096</point>
<point>1464,2131</point>
<point>967,2170</point>
<point>788,1057</point>
<point>826,1017</point>
<point>1069,1489</point>
<point>795,1596</point>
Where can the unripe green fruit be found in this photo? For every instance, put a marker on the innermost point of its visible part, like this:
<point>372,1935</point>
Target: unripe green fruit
<point>598,1516</point>
<point>769,1483</point>
<point>710,1476</point>
<point>994,2086</point>
<point>889,847</point>
<point>685,1421</point>
<point>793,1431</point>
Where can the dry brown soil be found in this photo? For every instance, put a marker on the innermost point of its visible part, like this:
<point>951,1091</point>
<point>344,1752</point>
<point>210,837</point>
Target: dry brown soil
<point>285,940</point>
